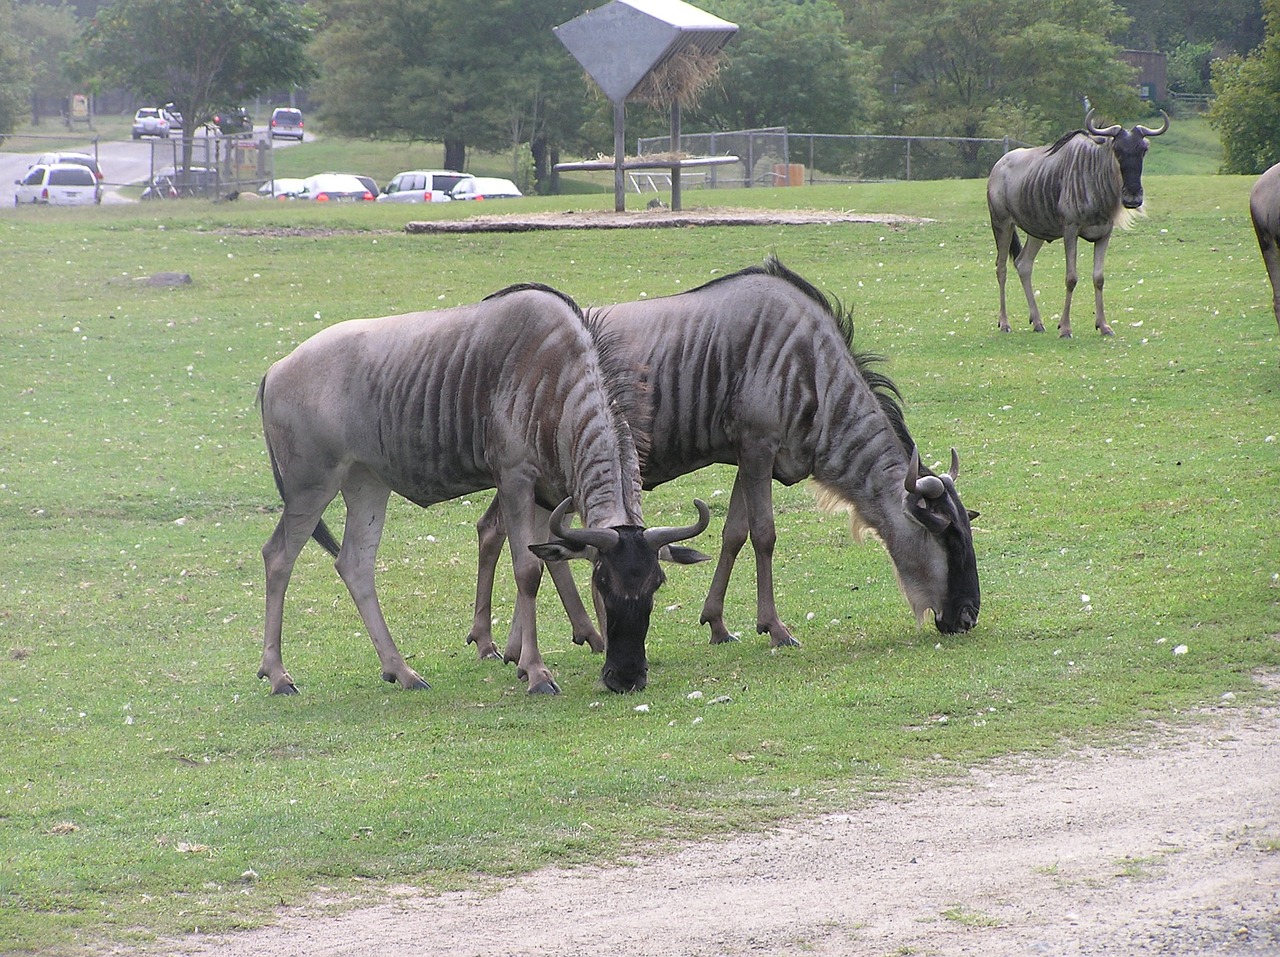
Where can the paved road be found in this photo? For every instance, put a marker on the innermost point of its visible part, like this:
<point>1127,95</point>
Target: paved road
<point>123,162</point>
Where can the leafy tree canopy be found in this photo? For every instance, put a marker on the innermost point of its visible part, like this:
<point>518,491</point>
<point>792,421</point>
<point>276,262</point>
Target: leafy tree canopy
<point>470,75</point>
<point>991,68</point>
<point>48,31</point>
<point>15,72</point>
<point>1248,101</point>
<point>790,64</point>
<point>200,55</point>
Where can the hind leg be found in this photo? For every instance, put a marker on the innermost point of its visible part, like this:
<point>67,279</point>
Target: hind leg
<point>491,535</point>
<point>301,515</point>
<point>1004,239</point>
<point>1024,263</point>
<point>366,499</point>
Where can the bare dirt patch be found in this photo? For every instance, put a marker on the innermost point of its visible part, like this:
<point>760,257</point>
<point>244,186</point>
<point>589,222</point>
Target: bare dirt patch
<point>658,218</point>
<point>1169,845</point>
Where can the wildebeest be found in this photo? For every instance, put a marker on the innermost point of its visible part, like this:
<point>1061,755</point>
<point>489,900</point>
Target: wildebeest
<point>1082,186</point>
<point>757,369</point>
<point>1264,210</point>
<point>509,393</point>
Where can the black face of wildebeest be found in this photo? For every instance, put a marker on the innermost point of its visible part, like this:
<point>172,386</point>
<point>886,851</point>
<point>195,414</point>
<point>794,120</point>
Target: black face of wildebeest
<point>626,578</point>
<point>1130,149</point>
<point>934,504</point>
<point>625,575</point>
<point>960,612</point>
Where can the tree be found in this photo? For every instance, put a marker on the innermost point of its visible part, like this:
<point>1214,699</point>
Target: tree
<point>1230,25</point>
<point>15,73</point>
<point>467,75</point>
<point>1248,101</point>
<point>790,64</point>
<point>48,31</point>
<point>200,55</point>
<point>988,68</point>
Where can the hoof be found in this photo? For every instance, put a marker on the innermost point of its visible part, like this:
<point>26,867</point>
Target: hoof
<point>787,642</point>
<point>415,682</point>
<point>724,639</point>
<point>547,686</point>
<point>287,687</point>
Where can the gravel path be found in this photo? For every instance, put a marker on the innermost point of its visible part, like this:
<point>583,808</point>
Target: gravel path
<point>1170,846</point>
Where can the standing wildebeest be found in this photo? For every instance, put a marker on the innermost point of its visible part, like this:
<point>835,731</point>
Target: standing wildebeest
<point>756,369</point>
<point>511,393</point>
<point>1081,186</point>
<point>1264,210</point>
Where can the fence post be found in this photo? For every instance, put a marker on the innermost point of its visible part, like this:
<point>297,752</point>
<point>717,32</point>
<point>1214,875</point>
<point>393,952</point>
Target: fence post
<point>908,159</point>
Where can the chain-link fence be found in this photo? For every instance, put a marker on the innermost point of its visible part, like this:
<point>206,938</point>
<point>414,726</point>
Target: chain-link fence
<point>207,164</point>
<point>774,156</point>
<point>208,167</point>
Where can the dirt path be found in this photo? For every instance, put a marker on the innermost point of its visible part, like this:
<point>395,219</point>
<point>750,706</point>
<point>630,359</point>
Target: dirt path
<point>1169,847</point>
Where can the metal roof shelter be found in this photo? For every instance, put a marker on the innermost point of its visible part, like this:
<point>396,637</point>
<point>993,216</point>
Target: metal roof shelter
<point>625,42</point>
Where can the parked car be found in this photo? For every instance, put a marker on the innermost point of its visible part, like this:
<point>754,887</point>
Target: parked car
<point>286,121</point>
<point>232,122</point>
<point>285,188</point>
<point>84,159</point>
<point>335,188</point>
<point>485,187</point>
<point>422,186</point>
<point>152,121</point>
<point>173,183</point>
<point>370,183</point>
<point>58,184</point>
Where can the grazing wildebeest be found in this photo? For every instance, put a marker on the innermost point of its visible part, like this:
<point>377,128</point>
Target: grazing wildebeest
<point>1264,210</point>
<point>508,393</point>
<point>757,369</point>
<point>1087,182</point>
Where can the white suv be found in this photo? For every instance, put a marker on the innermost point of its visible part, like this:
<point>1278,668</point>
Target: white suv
<point>422,186</point>
<point>58,184</point>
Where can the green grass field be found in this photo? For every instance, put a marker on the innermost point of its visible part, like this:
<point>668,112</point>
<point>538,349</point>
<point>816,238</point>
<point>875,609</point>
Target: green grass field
<point>1127,548</point>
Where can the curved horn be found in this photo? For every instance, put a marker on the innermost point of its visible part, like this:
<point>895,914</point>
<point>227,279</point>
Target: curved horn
<point>1107,131</point>
<point>658,537</point>
<point>930,486</point>
<point>955,465</point>
<point>601,538</point>
<point>1146,132</point>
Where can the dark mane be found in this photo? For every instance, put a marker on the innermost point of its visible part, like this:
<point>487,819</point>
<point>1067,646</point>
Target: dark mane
<point>631,418</point>
<point>627,394</point>
<point>536,287</point>
<point>1064,139</point>
<point>886,392</point>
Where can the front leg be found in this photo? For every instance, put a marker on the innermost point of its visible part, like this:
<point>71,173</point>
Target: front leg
<point>1069,237</point>
<point>732,537</point>
<point>516,496</point>
<point>1099,254</point>
<point>755,471</point>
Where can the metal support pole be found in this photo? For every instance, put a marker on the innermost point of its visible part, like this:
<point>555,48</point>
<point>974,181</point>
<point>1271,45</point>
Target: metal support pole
<point>619,155</point>
<point>675,151</point>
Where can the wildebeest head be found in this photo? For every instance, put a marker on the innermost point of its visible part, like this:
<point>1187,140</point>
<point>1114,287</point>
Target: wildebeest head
<point>1129,147</point>
<point>944,572</point>
<point>625,575</point>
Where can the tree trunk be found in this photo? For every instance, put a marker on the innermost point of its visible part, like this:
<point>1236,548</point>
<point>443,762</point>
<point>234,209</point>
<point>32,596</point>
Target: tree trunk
<point>455,154</point>
<point>538,148</point>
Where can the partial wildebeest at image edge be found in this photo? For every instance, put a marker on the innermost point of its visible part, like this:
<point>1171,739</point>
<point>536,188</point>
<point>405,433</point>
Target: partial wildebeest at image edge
<point>508,393</point>
<point>1080,187</point>
<point>1264,211</point>
<point>757,370</point>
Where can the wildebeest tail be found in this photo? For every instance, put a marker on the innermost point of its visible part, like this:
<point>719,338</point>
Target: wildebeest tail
<point>321,534</point>
<point>1015,244</point>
